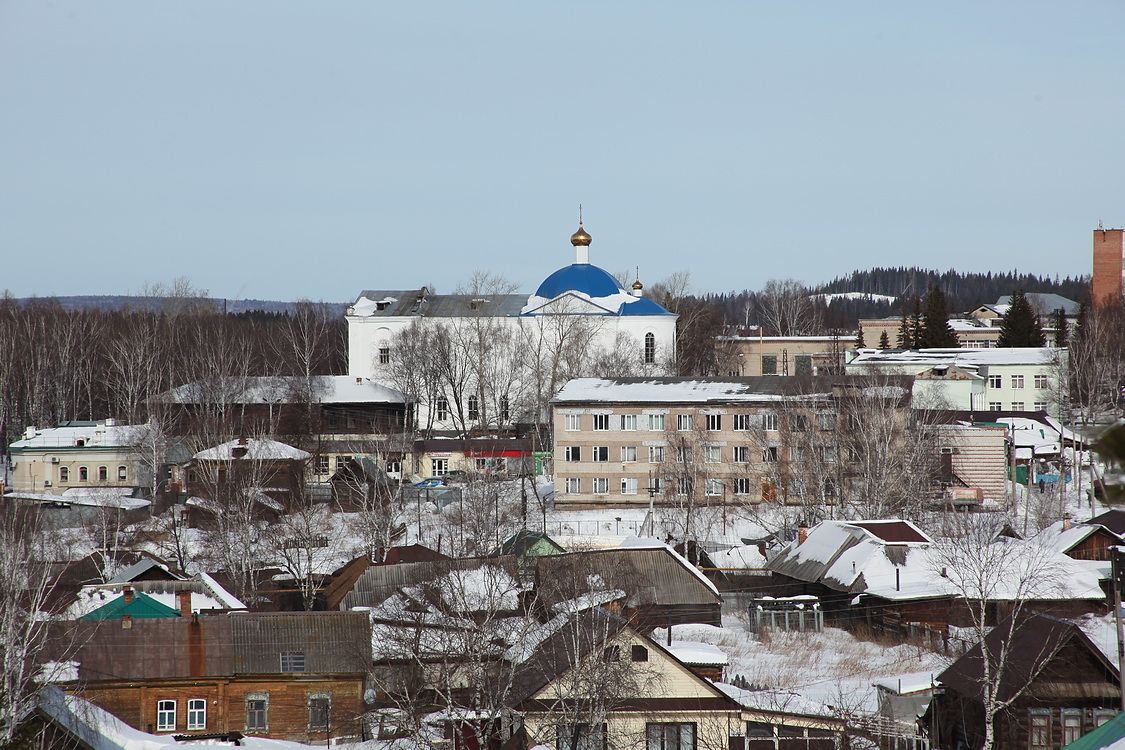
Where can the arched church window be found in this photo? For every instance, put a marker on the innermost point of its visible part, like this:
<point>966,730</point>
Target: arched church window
<point>650,349</point>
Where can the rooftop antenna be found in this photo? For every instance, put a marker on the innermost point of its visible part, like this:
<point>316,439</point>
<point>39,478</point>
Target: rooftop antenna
<point>1100,227</point>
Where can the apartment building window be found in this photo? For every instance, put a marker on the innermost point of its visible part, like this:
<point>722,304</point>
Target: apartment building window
<point>656,422</point>
<point>572,453</point>
<point>473,408</point>
<point>742,422</point>
<point>650,349</point>
<point>670,737</point>
<point>1017,406</point>
<point>827,420</point>
<point>769,454</point>
<point>714,487</point>
<point>712,454</point>
<point>103,473</point>
<point>769,422</point>
<point>769,364</point>
<point>439,467</point>
<point>798,422</point>
<point>628,454</point>
<point>995,406</point>
<point>628,486</point>
<point>321,465</point>
<point>601,486</point>
<point>741,454</point>
<point>341,463</point>
<point>683,485</point>
<point>797,487</point>
<point>714,422</point>
<point>573,422</point>
<point>1017,381</point>
<point>441,409</point>
<point>197,713</point>
<point>743,486</point>
<point>683,422</point>
<point>384,355</point>
<point>656,454</point>
<point>122,474</point>
<point>320,705</point>
<point>165,716</point>
<point>1040,406</point>
<point>797,453</point>
<point>292,661</point>
<point>683,454</point>
<point>1041,382</point>
<point>601,453</point>
<point>573,485</point>
<point>601,422</point>
<point>995,381</point>
<point>827,453</point>
<point>580,737</point>
<point>64,475</point>
<point>655,486</point>
<point>629,422</point>
<point>257,712</point>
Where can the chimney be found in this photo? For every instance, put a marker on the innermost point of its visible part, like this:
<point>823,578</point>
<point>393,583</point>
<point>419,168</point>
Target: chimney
<point>802,533</point>
<point>128,595</point>
<point>1068,522</point>
<point>127,622</point>
<point>111,423</point>
<point>29,433</point>
<point>183,599</point>
<point>242,440</point>
<point>359,381</point>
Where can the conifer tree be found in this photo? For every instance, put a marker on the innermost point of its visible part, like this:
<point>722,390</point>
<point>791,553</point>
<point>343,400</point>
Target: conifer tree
<point>917,332</point>
<point>859,343</point>
<point>1020,326</point>
<point>905,340</point>
<point>938,333</point>
<point>1062,328</point>
<point>884,341</point>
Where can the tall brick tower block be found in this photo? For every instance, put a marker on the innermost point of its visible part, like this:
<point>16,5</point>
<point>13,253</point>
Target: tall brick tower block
<point>1109,264</point>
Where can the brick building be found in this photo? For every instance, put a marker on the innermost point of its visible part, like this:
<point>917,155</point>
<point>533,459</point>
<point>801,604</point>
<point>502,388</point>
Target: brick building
<point>1109,264</point>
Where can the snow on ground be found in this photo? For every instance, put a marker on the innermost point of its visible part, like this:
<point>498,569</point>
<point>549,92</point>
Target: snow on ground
<point>830,297</point>
<point>831,670</point>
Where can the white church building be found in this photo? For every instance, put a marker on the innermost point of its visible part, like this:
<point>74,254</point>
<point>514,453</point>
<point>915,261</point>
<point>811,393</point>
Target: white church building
<point>623,321</point>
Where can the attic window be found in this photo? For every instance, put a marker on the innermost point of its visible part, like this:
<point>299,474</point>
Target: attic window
<point>613,653</point>
<point>80,443</point>
<point>639,653</point>
<point>477,303</point>
<point>292,661</point>
<point>382,305</point>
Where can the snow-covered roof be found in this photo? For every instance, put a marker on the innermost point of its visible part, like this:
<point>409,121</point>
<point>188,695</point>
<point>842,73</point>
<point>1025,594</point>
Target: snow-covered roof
<point>1064,540</point>
<point>273,389</point>
<point>145,564</point>
<point>678,390</point>
<point>910,682</point>
<point>594,285</point>
<point>696,653</point>
<point>99,497</point>
<point>93,435</point>
<point>256,450</point>
<point>205,592</point>
<point>1025,355</point>
<point>1043,302</point>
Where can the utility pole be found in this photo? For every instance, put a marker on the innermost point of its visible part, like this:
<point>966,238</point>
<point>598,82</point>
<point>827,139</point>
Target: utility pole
<point>1118,575</point>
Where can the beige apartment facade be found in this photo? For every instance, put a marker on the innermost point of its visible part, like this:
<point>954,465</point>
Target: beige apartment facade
<point>669,441</point>
<point>750,356</point>
<point>77,456</point>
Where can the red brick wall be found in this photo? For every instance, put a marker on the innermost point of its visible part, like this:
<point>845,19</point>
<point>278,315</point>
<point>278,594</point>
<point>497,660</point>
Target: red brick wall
<point>1109,259</point>
<point>288,714</point>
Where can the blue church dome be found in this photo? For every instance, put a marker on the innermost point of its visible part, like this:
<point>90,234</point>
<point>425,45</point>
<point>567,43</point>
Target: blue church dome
<point>643,306</point>
<point>579,277</point>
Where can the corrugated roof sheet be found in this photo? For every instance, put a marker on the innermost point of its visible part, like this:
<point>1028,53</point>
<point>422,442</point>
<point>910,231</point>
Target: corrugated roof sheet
<point>650,576</point>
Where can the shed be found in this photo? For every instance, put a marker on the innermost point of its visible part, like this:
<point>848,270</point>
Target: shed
<point>133,604</point>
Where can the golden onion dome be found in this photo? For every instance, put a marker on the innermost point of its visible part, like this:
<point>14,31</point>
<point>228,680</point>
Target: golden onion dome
<point>637,285</point>
<point>581,238</point>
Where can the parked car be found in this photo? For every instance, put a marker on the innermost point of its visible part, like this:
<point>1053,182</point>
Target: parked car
<point>431,483</point>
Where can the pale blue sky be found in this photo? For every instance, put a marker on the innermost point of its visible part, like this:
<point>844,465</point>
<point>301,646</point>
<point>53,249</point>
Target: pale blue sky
<point>283,150</point>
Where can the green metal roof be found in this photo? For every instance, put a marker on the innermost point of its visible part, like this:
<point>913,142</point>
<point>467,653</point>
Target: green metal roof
<point>143,606</point>
<point>1104,736</point>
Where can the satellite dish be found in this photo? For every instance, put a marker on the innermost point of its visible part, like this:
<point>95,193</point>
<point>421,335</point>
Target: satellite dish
<point>369,696</point>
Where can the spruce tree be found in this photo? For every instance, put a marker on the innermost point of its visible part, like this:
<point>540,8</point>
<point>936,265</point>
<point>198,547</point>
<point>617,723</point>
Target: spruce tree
<point>1062,328</point>
<point>884,341</point>
<point>859,343</point>
<point>938,334</point>
<point>917,332</point>
<point>905,340</point>
<point>1020,325</point>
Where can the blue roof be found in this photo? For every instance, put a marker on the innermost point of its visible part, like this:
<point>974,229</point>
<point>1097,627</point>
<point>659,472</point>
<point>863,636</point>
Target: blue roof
<point>579,277</point>
<point>643,306</point>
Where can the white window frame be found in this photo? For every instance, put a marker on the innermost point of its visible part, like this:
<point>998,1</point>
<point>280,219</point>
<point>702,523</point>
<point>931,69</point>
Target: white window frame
<point>995,406</point>
<point>122,473</point>
<point>656,422</point>
<point>714,422</point>
<point>995,381</point>
<point>197,713</point>
<point>1017,406</point>
<point>1017,381</point>
<point>684,422</point>
<point>628,454</point>
<point>1041,382</point>
<point>628,485</point>
<point>714,487</point>
<point>770,454</point>
<point>439,467</point>
<point>1040,406</point>
<point>712,454</point>
<point>629,422</point>
<point>574,485</point>
<point>769,421</point>
<point>601,422</point>
<point>573,422</point>
<point>743,486</point>
<point>384,355</point>
<point>572,453</point>
<point>743,422</point>
<point>600,454</point>
<point>165,716</point>
<point>741,454</point>
<point>656,454</point>
<point>601,485</point>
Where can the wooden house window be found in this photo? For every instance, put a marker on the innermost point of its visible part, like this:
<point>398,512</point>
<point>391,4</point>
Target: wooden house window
<point>320,707</point>
<point>166,716</point>
<point>1071,724</point>
<point>639,653</point>
<point>1040,729</point>
<point>197,713</point>
<point>257,712</point>
<point>292,661</point>
<point>670,736</point>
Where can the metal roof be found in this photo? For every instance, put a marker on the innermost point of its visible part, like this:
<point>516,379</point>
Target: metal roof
<point>649,576</point>
<point>379,582</point>
<point>142,606</point>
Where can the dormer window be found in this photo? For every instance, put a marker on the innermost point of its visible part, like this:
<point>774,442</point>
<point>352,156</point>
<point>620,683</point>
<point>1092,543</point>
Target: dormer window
<point>292,661</point>
<point>477,303</point>
<point>382,305</point>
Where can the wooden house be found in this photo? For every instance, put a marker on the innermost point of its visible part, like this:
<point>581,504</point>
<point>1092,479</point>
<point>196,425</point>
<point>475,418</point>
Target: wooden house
<point>1057,682</point>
